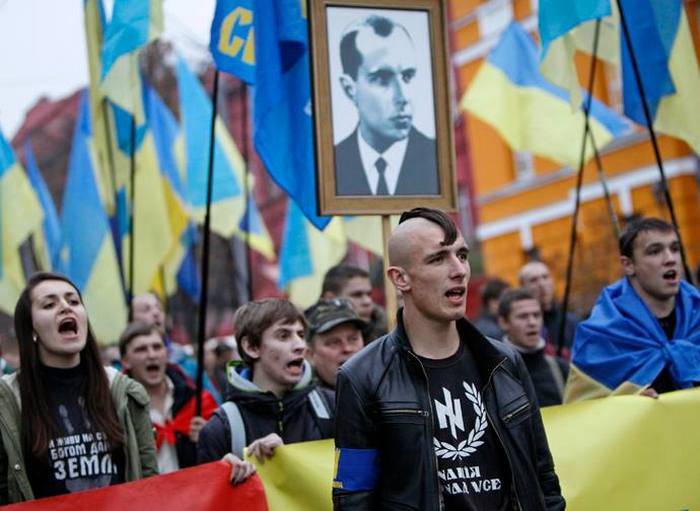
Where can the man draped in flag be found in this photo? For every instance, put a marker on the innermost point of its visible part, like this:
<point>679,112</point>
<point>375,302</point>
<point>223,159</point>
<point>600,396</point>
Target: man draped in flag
<point>643,335</point>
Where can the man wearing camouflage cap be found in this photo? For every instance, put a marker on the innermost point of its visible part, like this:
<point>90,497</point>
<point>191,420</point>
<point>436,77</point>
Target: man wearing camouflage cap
<point>334,335</point>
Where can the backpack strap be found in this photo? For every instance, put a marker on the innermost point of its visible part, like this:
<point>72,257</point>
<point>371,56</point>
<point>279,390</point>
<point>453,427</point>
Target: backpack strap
<point>236,426</point>
<point>319,405</point>
<point>323,409</point>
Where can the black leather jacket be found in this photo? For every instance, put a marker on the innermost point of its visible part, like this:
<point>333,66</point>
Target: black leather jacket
<point>384,404</point>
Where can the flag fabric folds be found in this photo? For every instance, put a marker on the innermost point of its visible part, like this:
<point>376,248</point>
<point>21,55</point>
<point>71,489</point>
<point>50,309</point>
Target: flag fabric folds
<point>565,28</point>
<point>232,42</point>
<point>94,17</point>
<point>253,230</point>
<point>88,254</point>
<point>231,213</point>
<point>20,217</point>
<point>204,487</point>
<point>664,49</point>
<point>165,131</point>
<point>50,242</point>
<point>307,254</point>
<point>283,125</point>
<point>624,434</point>
<point>134,23</point>
<point>621,348</point>
<point>510,94</point>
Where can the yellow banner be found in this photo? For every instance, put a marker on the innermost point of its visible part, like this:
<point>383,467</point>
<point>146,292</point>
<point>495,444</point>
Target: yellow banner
<point>616,453</point>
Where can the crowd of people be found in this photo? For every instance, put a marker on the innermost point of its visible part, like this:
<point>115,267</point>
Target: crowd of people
<point>437,413</point>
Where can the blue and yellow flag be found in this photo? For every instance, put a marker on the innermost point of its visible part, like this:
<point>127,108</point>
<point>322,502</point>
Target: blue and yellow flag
<point>565,27</point>
<point>531,114</point>
<point>668,66</point>
<point>232,42</point>
<point>88,254</point>
<point>253,230</point>
<point>20,217</point>
<point>228,198</point>
<point>621,348</point>
<point>165,131</point>
<point>307,254</point>
<point>134,23</point>
<point>48,244</point>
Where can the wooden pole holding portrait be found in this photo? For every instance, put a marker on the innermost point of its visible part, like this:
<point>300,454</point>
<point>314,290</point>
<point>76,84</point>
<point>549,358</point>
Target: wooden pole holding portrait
<point>389,290</point>
<point>382,110</point>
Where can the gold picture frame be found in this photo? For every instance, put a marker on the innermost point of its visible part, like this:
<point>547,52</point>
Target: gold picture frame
<point>389,105</point>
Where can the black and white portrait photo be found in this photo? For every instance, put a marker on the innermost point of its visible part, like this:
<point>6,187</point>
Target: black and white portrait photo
<point>380,101</point>
<point>382,96</point>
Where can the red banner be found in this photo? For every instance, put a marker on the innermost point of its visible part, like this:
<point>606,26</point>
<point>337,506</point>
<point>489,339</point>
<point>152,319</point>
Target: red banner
<point>204,487</point>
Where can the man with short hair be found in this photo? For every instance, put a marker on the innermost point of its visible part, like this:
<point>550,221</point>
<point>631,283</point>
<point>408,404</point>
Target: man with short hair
<point>520,317</point>
<point>272,399</point>
<point>385,154</point>
<point>353,284</point>
<point>487,321</point>
<point>536,277</point>
<point>172,406</point>
<point>334,335</point>
<point>435,415</point>
<point>148,308</point>
<point>643,335</point>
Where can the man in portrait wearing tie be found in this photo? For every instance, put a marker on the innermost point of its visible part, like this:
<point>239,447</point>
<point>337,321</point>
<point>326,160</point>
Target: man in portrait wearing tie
<point>385,154</point>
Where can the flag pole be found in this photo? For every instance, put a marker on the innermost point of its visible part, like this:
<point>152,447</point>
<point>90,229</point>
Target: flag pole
<point>245,154</point>
<point>579,181</point>
<point>652,135</point>
<point>132,230</point>
<point>201,330</point>
<point>614,222</point>
<point>389,292</point>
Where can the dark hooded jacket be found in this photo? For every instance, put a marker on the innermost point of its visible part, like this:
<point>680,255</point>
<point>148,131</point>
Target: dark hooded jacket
<point>293,417</point>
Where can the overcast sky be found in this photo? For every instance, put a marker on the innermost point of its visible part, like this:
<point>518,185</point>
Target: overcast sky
<point>42,48</point>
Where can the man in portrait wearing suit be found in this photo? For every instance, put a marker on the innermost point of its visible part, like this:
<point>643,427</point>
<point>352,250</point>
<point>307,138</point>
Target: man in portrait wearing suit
<point>385,154</point>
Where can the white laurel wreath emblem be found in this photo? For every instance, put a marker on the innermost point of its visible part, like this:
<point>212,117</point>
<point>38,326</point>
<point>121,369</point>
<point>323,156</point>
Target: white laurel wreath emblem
<point>466,447</point>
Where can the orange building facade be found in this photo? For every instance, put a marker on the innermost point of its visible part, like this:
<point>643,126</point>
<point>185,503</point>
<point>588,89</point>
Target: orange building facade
<point>525,203</point>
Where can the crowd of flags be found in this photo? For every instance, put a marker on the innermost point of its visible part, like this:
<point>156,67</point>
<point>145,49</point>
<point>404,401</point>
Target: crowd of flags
<point>137,176</point>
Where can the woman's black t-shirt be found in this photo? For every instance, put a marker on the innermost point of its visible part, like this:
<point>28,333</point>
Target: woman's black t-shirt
<point>78,458</point>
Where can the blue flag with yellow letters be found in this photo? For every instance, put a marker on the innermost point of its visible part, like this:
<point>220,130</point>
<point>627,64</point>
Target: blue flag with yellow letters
<point>232,42</point>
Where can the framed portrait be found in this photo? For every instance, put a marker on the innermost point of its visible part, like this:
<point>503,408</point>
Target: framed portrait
<point>383,127</point>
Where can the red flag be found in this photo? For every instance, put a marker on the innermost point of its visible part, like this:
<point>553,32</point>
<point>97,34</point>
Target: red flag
<point>205,487</point>
<point>181,422</point>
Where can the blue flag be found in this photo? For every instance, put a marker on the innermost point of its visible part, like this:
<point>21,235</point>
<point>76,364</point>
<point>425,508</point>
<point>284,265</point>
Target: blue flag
<point>52,226</point>
<point>283,132</point>
<point>556,18</point>
<point>232,42</point>
<point>652,28</point>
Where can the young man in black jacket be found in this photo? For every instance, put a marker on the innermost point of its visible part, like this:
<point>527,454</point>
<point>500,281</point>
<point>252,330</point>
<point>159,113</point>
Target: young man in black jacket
<point>434,415</point>
<point>520,317</point>
<point>272,399</point>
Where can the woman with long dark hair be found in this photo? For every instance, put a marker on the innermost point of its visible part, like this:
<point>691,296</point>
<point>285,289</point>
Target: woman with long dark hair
<point>67,423</point>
